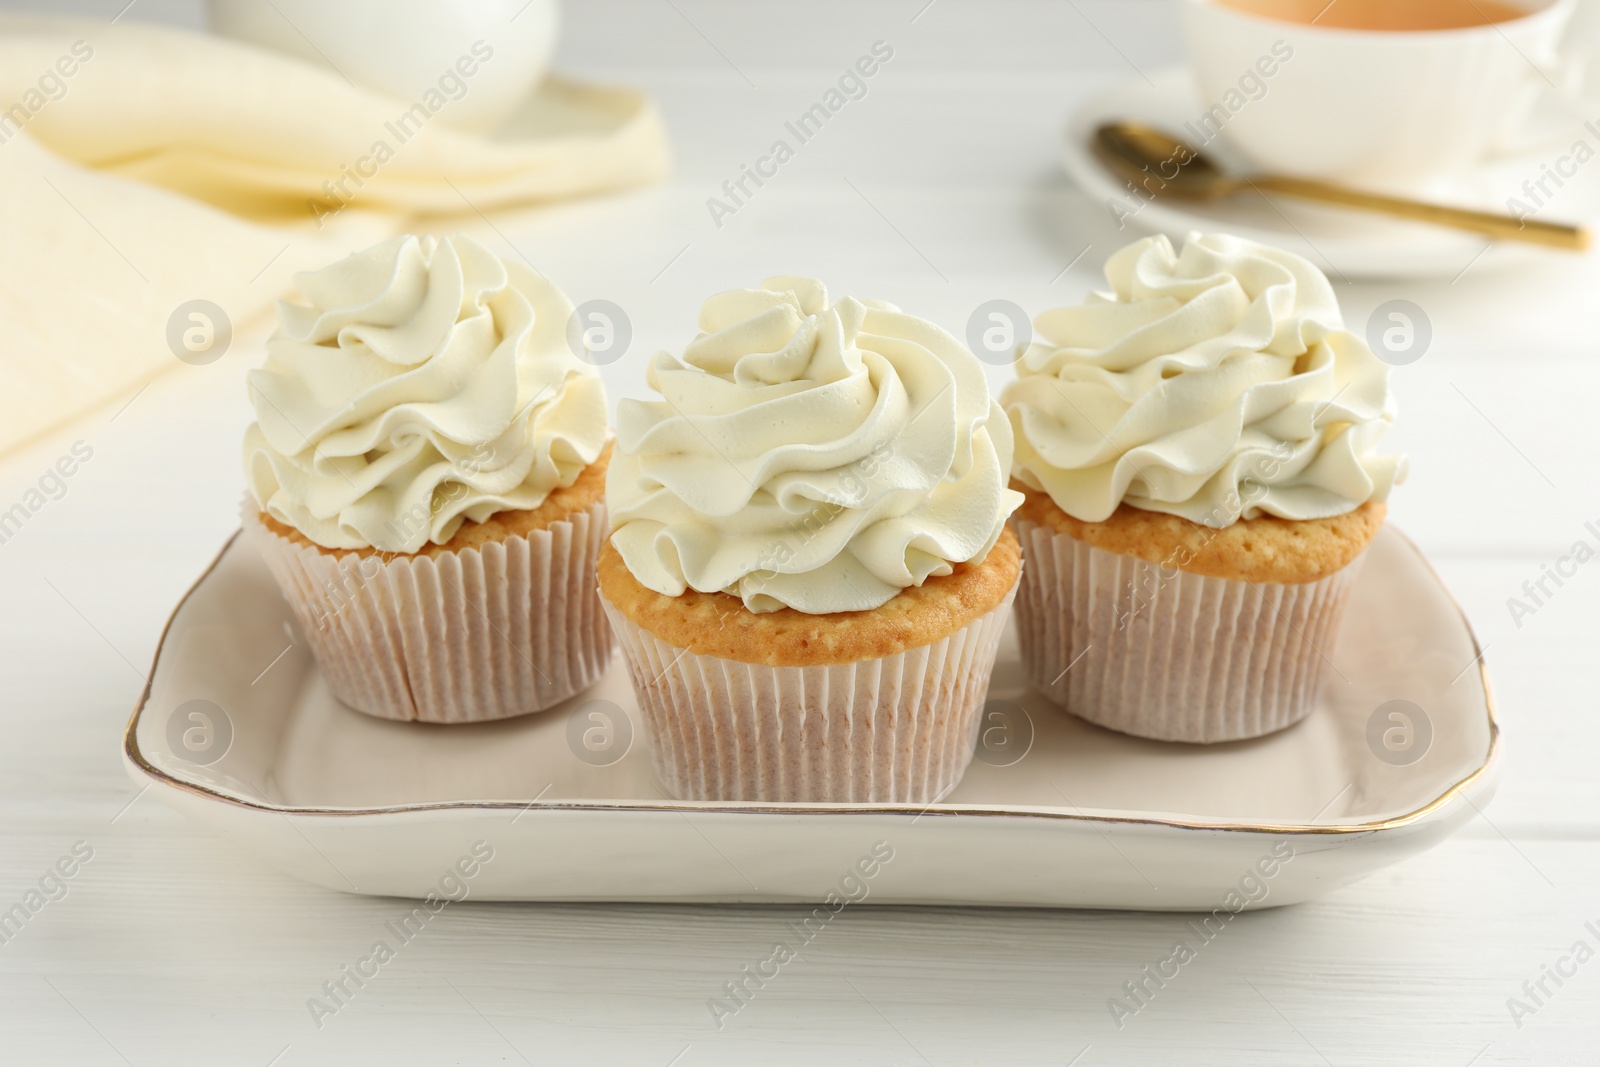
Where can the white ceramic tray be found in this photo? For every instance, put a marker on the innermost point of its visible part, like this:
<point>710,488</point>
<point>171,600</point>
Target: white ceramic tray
<point>1081,817</point>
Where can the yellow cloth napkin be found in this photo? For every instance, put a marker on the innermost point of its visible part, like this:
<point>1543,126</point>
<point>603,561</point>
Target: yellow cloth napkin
<point>143,167</point>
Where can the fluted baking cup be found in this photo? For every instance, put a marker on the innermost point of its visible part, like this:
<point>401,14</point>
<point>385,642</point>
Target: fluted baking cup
<point>896,730</point>
<point>512,627</point>
<point>1160,653</point>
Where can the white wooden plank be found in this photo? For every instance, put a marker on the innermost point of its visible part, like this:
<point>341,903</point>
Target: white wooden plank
<point>178,951</point>
<point>170,947</point>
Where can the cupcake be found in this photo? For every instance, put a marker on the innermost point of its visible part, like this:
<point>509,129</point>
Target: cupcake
<point>809,566</point>
<point>427,482</point>
<point>1196,449</point>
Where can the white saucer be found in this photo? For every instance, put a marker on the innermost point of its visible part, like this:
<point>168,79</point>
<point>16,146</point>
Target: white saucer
<point>1083,818</point>
<point>1347,244</point>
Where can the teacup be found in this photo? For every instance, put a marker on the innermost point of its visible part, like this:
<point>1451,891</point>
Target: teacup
<point>409,48</point>
<point>1364,105</point>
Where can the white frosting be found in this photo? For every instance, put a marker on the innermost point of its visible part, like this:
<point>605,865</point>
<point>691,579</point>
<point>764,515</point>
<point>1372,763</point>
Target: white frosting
<point>424,383</point>
<point>1216,384</point>
<point>811,455</point>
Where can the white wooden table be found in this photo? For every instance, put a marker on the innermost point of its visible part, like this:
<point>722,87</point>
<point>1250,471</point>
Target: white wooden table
<point>938,190</point>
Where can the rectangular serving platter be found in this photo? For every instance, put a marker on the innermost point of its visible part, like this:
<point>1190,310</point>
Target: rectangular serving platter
<point>1080,816</point>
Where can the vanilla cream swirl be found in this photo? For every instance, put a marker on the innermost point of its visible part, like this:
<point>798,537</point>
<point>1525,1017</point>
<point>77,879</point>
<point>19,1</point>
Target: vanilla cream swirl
<point>811,455</point>
<point>1214,385</point>
<point>423,383</point>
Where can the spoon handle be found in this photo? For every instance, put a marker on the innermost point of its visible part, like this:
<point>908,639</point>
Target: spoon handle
<point>1494,224</point>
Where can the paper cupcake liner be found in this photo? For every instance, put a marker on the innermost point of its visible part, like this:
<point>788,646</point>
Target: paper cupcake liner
<point>1159,653</point>
<point>467,636</point>
<point>896,730</point>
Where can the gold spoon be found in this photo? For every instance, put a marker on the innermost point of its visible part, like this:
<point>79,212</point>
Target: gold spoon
<point>1162,164</point>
